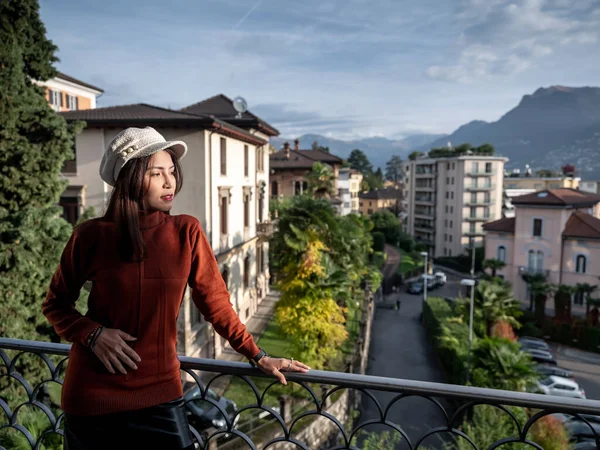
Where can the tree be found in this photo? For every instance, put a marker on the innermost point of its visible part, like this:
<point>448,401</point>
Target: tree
<point>321,180</point>
<point>586,290</point>
<point>540,292</point>
<point>562,302</point>
<point>387,223</point>
<point>415,155</point>
<point>34,144</point>
<point>374,180</point>
<point>494,265</point>
<point>568,170</point>
<point>393,170</point>
<point>316,146</point>
<point>359,161</point>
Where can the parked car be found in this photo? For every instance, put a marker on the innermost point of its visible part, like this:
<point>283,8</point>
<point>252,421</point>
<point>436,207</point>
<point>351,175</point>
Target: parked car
<point>559,386</point>
<point>431,282</point>
<point>202,415</point>
<point>546,370</point>
<point>580,432</point>
<point>541,356</point>
<point>414,287</point>
<point>540,345</point>
<point>440,278</point>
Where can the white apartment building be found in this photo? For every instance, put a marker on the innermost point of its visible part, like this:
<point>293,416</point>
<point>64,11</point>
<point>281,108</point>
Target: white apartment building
<point>349,181</point>
<point>65,93</point>
<point>226,175</point>
<point>449,199</point>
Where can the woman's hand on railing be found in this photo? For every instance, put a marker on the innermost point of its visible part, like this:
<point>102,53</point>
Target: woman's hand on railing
<point>274,366</point>
<point>114,352</point>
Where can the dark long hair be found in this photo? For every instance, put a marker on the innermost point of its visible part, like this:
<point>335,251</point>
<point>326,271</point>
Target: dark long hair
<point>127,202</point>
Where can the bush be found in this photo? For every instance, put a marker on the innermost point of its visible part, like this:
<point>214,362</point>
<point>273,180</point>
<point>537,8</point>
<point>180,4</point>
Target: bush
<point>462,263</point>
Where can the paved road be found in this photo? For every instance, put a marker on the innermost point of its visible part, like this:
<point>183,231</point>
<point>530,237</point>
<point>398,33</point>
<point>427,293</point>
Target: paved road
<point>585,367</point>
<point>392,261</point>
<point>399,349</point>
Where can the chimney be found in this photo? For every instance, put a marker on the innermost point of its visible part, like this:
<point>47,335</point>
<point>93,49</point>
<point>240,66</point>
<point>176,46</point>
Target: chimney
<point>286,148</point>
<point>296,144</point>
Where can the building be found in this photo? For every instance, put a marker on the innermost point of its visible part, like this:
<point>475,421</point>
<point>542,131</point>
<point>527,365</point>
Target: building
<point>590,186</point>
<point>349,183</point>
<point>450,198</point>
<point>380,199</point>
<point>226,177</point>
<point>289,168</point>
<point>65,93</point>
<point>555,232</point>
<point>517,184</point>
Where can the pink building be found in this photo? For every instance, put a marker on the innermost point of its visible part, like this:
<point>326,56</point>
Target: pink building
<point>556,232</point>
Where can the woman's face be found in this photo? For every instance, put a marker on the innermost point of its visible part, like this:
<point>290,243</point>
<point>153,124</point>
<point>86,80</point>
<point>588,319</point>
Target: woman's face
<point>159,182</point>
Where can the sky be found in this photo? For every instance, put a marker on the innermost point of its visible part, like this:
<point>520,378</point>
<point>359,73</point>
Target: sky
<point>342,68</point>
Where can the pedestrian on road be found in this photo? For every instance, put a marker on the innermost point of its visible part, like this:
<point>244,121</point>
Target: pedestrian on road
<point>398,303</point>
<point>123,374</point>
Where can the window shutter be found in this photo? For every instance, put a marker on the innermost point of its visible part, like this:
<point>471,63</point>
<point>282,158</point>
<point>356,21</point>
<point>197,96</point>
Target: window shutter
<point>76,102</point>
<point>61,99</point>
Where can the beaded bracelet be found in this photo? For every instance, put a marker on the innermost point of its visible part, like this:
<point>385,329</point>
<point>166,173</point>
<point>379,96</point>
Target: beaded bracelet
<point>101,329</point>
<point>91,336</point>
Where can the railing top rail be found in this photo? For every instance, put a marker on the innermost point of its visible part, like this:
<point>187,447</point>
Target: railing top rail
<point>357,381</point>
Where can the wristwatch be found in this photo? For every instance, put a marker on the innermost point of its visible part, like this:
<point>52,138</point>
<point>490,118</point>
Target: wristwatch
<point>261,354</point>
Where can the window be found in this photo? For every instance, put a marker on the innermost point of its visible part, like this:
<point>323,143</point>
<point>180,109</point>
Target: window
<point>487,197</point>
<point>501,253</point>
<point>224,205</point>
<point>475,167</point>
<point>274,188</point>
<point>56,100</point>
<point>531,260</point>
<point>247,272</point>
<point>70,206</point>
<point>535,261</point>
<point>451,223</point>
<point>445,252</point>
<point>471,227</point>
<point>450,239</point>
<point>260,159</point>
<point>537,227</point>
<point>448,166</point>
<point>488,167</point>
<point>246,210</point>
<point>447,195</point>
<point>446,222</point>
<point>246,157</point>
<point>223,156</point>
<point>486,212</point>
<point>72,102</point>
<point>578,298</point>
<point>473,197</point>
<point>452,210</point>
<point>473,212</point>
<point>581,264</point>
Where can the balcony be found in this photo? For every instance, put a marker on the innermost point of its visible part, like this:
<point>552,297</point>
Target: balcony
<point>330,395</point>
<point>472,188</point>
<point>424,215</point>
<point>478,203</point>
<point>474,233</point>
<point>481,173</point>
<point>266,229</point>
<point>425,200</point>
<point>425,174</point>
<point>478,218</point>
<point>423,228</point>
<point>425,188</point>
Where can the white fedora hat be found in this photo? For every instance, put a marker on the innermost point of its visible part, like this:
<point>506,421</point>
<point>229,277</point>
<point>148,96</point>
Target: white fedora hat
<point>134,143</point>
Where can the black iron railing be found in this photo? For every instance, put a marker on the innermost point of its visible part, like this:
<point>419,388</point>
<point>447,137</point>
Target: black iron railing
<point>284,421</point>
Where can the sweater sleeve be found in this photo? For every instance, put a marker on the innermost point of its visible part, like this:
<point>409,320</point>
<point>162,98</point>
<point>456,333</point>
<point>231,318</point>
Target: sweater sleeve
<point>59,305</point>
<point>211,297</point>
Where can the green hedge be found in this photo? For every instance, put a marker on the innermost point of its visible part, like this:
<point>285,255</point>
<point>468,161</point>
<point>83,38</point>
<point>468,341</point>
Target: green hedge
<point>448,336</point>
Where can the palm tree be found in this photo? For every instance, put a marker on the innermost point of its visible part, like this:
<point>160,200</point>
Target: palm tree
<point>494,265</point>
<point>540,293</point>
<point>321,180</point>
<point>537,279</point>
<point>500,364</point>
<point>497,303</point>
<point>562,302</point>
<point>586,290</point>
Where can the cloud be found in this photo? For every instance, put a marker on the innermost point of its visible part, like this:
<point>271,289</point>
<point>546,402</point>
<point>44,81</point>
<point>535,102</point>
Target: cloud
<point>502,38</point>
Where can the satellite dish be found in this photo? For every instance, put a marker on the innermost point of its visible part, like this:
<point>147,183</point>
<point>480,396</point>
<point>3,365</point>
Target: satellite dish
<point>240,106</point>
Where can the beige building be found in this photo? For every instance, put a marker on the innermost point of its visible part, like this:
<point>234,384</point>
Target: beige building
<point>226,174</point>
<point>555,232</point>
<point>349,183</point>
<point>380,199</point>
<point>289,168</point>
<point>590,186</point>
<point>449,199</point>
<point>65,93</point>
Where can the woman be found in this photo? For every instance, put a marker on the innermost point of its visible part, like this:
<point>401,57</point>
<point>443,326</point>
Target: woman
<point>123,371</point>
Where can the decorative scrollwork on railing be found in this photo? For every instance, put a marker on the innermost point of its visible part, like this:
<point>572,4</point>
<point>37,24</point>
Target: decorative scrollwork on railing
<point>281,427</point>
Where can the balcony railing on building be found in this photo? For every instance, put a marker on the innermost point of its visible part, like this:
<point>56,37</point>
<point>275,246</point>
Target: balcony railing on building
<point>478,202</point>
<point>479,218</point>
<point>266,229</point>
<point>474,233</point>
<point>481,173</point>
<point>328,397</point>
<point>479,187</point>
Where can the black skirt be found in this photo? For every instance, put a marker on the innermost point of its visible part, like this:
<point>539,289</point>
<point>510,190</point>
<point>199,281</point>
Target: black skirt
<point>163,427</point>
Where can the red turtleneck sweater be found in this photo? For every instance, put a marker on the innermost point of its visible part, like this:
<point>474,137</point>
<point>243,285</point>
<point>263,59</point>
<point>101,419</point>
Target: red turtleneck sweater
<point>142,299</point>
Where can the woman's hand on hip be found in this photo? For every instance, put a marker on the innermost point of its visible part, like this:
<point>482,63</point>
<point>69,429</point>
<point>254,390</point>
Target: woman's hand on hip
<point>114,352</point>
<point>274,366</point>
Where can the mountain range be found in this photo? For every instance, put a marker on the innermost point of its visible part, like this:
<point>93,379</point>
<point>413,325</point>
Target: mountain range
<point>547,129</point>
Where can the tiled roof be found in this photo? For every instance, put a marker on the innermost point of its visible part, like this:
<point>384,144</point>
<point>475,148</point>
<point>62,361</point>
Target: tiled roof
<point>142,114</point>
<point>221,106</point>
<point>301,159</point>
<point>320,155</point>
<point>65,77</point>
<point>558,197</point>
<point>582,225</point>
<point>381,194</point>
<point>505,225</point>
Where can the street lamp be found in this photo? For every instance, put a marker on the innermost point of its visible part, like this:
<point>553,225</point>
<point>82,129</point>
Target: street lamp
<point>425,255</point>
<point>471,283</point>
